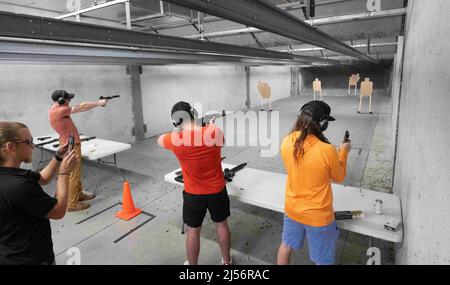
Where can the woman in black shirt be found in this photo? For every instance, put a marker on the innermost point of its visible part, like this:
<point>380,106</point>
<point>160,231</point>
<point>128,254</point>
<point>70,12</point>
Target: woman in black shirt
<point>25,209</point>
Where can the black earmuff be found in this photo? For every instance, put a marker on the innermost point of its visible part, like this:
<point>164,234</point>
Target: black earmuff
<point>62,100</point>
<point>178,123</point>
<point>323,122</point>
<point>192,114</point>
<point>323,125</point>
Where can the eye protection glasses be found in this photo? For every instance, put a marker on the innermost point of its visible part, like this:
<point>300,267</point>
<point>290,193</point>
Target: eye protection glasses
<point>27,142</point>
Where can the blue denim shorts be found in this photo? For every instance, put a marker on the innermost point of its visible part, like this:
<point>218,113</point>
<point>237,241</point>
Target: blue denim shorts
<point>321,240</point>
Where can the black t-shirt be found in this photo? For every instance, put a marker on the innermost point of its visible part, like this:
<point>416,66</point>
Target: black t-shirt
<point>25,232</point>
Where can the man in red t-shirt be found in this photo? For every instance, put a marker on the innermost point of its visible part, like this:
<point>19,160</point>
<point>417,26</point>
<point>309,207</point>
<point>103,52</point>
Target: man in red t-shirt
<point>61,122</point>
<point>198,150</point>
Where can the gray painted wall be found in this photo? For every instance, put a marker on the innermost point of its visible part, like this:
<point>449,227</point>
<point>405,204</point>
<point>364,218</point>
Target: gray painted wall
<point>423,158</point>
<point>25,92</point>
<point>277,77</point>
<point>215,87</point>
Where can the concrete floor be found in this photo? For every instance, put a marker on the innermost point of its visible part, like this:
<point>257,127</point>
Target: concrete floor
<point>256,232</point>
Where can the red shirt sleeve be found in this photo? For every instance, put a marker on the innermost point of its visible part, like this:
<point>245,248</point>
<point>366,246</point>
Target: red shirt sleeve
<point>167,142</point>
<point>65,111</point>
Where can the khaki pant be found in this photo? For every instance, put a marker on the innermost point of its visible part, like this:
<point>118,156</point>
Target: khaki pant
<point>75,186</point>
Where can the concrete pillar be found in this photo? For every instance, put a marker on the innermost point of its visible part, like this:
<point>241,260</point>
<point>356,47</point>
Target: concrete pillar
<point>139,128</point>
<point>247,83</point>
<point>295,81</point>
<point>396,84</point>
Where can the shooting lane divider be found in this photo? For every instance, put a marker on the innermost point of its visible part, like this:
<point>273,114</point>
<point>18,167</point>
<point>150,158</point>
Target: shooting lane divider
<point>151,217</point>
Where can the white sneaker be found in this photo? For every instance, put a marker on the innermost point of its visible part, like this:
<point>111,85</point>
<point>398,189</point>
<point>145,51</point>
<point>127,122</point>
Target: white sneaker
<point>229,263</point>
<point>186,262</point>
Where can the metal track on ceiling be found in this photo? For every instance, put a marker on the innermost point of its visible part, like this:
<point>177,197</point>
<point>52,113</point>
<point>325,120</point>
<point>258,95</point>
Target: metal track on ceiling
<point>31,27</point>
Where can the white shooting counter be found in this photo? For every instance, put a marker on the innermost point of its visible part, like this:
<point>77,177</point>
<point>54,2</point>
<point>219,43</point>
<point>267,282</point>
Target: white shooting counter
<point>94,149</point>
<point>266,189</point>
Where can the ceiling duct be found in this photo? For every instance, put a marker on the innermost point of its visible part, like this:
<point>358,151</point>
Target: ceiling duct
<point>166,10</point>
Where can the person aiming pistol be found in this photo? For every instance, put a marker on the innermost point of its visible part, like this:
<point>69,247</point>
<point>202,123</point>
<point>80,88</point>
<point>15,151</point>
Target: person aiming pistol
<point>312,163</point>
<point>61,122</point>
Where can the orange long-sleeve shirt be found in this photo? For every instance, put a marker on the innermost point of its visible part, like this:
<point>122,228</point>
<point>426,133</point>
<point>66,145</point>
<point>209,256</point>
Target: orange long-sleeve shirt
<point>309,198</point>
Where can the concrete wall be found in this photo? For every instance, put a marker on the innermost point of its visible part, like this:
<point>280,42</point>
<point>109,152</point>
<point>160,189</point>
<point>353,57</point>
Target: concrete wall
<point>277,77</point>
<point>25,92</point>
<point>336,78</point>
<point>423,158</point>
<point>216,88</point>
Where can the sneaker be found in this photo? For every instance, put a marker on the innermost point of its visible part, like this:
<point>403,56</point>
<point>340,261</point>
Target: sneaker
<point>86,197</point>
<point>228,263</point>
<point>78,207</point>
<point>186,262</point>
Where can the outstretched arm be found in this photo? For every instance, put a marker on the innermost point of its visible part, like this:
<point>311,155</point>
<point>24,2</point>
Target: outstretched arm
<point>86,106</point>
<point>161,141</point>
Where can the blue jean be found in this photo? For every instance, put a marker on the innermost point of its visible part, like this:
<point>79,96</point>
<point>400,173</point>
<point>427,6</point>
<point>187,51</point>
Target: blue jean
<point>321,240</point>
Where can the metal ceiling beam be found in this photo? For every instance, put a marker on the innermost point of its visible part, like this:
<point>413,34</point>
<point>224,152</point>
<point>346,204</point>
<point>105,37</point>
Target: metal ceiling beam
<point>12,49</point>
<point>372,45</point>
<point>25,26</point>
<point>265,16</point>
<point>313,22</point>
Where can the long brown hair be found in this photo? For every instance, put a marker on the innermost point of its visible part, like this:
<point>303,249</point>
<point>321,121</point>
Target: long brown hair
<point>306,126</point>
<point>9,132</point>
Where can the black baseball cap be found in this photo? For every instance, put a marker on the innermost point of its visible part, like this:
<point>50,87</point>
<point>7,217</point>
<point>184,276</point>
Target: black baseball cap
<point>62,94</point>
<point>319,110</point>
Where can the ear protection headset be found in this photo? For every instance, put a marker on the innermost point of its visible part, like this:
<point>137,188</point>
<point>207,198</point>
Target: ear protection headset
<point>182,107</point>
<point>323,122</point>
<point>65,96</point>
<point>62,100</point>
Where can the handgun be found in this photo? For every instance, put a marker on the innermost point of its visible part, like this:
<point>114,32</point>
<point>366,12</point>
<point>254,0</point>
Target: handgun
<point>229,173</point>
<point>108,97</point>
<point>81,140</point>
<point>43,138</point>
<point>71,143</point>
<point>45,143</point>
<point>347,137</point>
<point>349,215</point>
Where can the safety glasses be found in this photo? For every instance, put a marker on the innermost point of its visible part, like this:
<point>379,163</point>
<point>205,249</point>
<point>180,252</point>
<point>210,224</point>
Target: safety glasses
<point>28,142</point>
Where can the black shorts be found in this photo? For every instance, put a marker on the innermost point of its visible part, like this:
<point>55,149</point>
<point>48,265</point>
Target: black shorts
<point>195,206</point>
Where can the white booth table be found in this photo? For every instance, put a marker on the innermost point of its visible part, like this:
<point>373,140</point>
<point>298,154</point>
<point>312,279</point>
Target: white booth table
<point>266,189</point>
<point>94,149</point>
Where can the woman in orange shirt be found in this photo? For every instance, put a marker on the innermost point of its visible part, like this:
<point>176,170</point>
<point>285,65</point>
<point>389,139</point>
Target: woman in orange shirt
<point>311,163</point>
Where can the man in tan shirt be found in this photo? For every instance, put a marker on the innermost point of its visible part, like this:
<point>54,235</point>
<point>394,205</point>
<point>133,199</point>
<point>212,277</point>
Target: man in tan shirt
<point>61,122</point>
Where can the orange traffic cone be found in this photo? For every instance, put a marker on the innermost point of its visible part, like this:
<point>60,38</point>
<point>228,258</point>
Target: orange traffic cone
<point>128,210</point>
